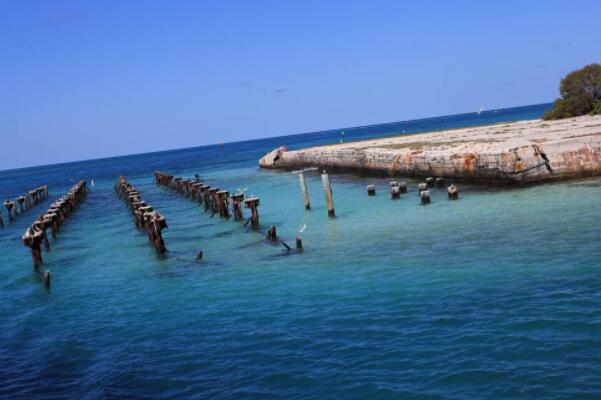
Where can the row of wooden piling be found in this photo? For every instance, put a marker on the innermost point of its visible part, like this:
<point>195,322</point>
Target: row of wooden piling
<point>54,217</point>
<point>398,188</point>
<point>25,202</point>
<point>214,199</point>
<point>145,217</point>
<point>220,201</point>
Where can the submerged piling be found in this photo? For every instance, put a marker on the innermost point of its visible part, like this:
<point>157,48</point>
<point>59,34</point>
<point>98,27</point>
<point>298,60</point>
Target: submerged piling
<point>272,233</point>
<point>47,279</point>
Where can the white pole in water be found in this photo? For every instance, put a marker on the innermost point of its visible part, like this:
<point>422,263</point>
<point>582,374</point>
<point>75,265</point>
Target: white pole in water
<point>328,192</point>
<point>303,184</point>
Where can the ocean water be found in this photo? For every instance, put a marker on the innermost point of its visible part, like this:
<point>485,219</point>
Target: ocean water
<point>496,295</point>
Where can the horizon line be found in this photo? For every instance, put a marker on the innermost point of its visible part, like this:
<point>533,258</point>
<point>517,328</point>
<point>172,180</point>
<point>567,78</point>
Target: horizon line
<point>267,137</point>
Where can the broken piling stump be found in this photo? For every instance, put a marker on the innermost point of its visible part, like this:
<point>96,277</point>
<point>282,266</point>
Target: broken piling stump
<point>403,187</point>
<point>453,192</point>
<point>371,190</point>
<point>425,197</point>
<point>253,204</point>
<point>395,190</point>
<point>236,199</point>
<point>272,233</point>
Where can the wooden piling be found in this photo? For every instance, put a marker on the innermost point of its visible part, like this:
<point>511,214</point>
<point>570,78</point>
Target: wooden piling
<point>453,192</point>
<point>222,198</point>
<point>421,188</point>
<point>303,185</point>
<point>236,199</point>
<point>403,187</point>
<point>327,189</point>
<point>299,244</point>
<point>430,181</point>
<point>253,204</point>
<point>371,190</point>
<point>47,279</point>
<point>272,233</point>
<point>425,197</point>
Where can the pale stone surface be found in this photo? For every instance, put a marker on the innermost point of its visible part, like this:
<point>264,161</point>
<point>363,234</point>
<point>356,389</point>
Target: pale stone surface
<point>524,151</point>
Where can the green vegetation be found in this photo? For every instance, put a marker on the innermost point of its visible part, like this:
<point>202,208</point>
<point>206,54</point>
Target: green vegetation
<point>580,92</point>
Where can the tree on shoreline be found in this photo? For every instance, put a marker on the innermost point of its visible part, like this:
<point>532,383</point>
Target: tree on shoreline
<point>580,92</point>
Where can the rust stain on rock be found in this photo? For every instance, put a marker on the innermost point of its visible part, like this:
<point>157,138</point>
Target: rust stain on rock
<point>468,161</point>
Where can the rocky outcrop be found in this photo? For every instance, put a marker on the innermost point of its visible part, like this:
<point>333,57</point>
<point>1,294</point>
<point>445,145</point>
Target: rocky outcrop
<point>525,151</point>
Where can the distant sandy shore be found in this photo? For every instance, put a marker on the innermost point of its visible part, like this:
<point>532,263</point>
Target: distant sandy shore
<point>517,152</point>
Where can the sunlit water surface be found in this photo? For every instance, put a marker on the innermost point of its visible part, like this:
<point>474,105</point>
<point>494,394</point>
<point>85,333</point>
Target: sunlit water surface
<point>497,295</point>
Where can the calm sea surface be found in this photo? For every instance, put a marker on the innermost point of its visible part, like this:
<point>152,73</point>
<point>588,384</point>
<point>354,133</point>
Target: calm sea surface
<point>497,295</point>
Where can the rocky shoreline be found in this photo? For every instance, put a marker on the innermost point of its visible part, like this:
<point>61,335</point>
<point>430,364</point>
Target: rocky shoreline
<point>511,153</point>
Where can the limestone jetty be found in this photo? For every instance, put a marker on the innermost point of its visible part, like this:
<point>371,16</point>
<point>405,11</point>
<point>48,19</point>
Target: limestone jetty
<point>516,152</point>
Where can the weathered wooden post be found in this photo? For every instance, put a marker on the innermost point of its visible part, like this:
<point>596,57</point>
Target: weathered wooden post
<point>299,244</point>
<point>272,233</point>
<point>33,240</point>
<point>222,198</point>
<point>1,221</point>
<point>327,189</point>
<point>158,224</point>
<point>425,197</point>
<point>204,190</point>
<point>10,205</point>
<point>303,185</point>
<point>430,181</point>
<point>395,190</point>
<point>403,187</point>
<point>453,192</point>
<point>371,190</point>
<point>421,188</point>
<point>236,200</point>
<point>213,200</point>
<point>253,203</point>
<point>196,191</point>
<point>440,182</point>
<point>21,201</point>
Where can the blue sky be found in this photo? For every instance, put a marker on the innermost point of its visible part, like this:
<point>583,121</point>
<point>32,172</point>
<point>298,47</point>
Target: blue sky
<point>83,79</point>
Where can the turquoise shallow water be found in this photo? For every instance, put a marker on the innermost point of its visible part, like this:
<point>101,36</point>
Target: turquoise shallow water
<point>497,295</point>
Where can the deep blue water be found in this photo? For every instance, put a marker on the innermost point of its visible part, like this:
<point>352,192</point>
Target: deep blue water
<point>497,295</point>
